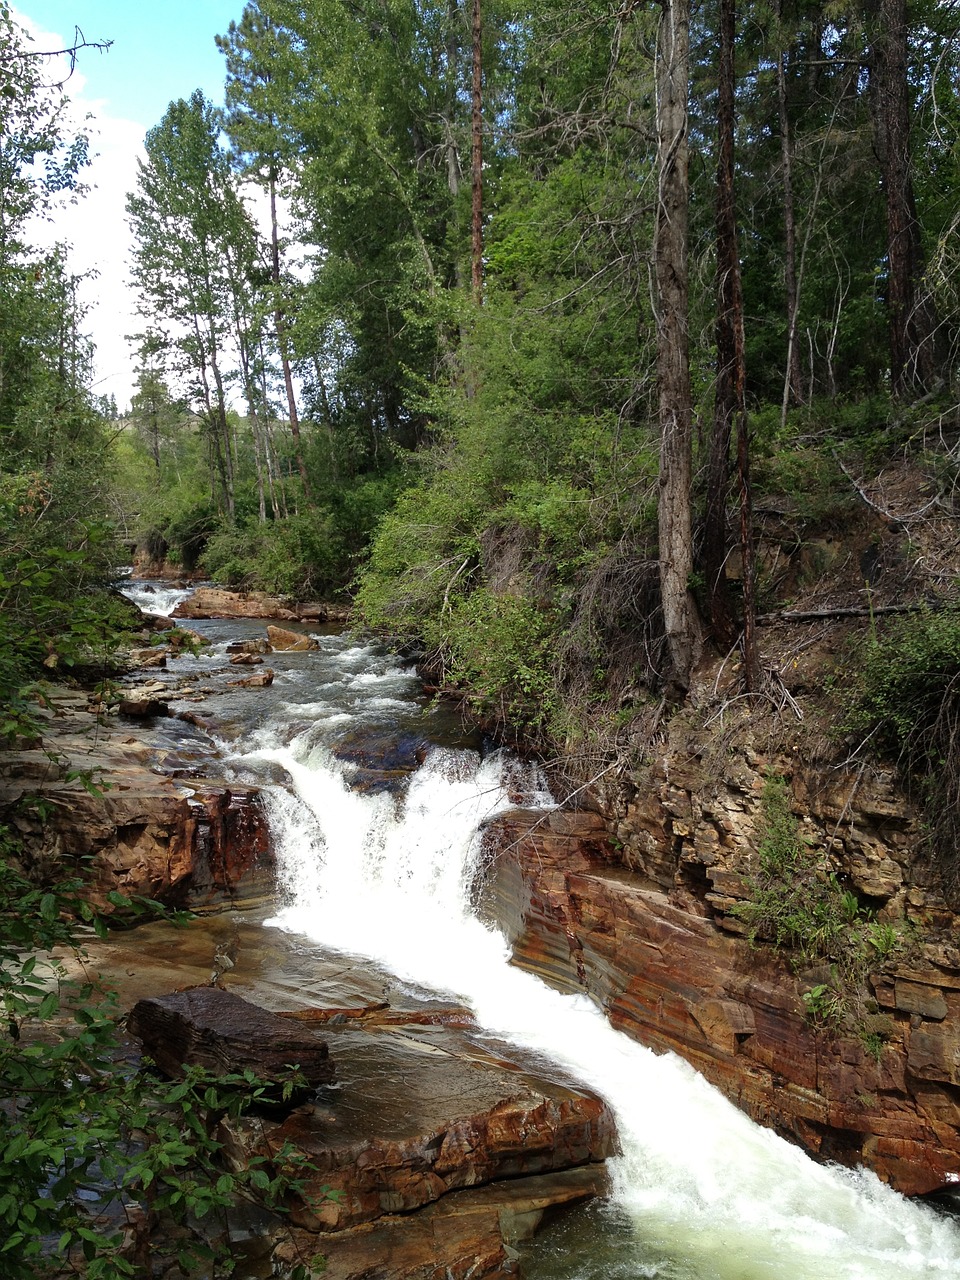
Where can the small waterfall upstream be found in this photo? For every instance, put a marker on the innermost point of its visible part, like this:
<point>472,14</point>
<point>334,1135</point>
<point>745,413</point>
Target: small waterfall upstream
<point>701,1193</point>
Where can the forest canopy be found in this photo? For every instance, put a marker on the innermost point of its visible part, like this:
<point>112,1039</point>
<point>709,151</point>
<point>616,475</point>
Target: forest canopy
<point>490,317</point>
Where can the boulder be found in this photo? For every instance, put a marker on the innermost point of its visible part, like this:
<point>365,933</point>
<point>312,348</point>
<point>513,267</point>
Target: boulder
<point>292,641</point>
<point>208,1027</point>
<point>262,680</point>
<point>411,1123</point>
<point>258,646</point>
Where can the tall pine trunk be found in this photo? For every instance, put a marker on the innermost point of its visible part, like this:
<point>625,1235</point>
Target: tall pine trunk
<point>476,157</point>
<point>791,377</point>
<point>915,356</point>
<point>680,615</point>
<point>729,401</point>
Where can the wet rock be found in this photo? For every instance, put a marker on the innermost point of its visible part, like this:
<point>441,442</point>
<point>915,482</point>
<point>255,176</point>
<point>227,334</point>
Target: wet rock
<point>467,1235</point>
<point>411,1122</point>
<point>203,846</point>
<point>214,602</point>
<point>218,1030</point>
<point>290,641</point>
<point>378,752</point>
<point>143,704</point>
<point>246,660</point>
<point>262,680</point>
<point>153,657</point>
<point>260,645</point>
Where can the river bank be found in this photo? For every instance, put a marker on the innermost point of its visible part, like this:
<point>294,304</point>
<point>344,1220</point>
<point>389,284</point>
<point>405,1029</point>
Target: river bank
<point>382,865</point>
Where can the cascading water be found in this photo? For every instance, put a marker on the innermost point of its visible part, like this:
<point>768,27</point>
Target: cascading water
<point>159,598</point>
<point>701,1193</point>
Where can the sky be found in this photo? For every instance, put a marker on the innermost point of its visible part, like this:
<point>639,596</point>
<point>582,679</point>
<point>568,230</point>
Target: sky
<point>160,52</point>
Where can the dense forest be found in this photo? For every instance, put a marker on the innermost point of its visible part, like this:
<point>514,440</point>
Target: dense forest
<point>527,296</point>
<point>552,283</point>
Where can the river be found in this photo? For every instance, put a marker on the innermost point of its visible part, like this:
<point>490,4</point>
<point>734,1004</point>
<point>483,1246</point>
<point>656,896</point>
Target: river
<point>699,1192</point>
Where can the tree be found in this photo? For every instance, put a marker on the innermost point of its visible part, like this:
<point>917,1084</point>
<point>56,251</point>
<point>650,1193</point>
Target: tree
<point>680,615</point>
<point>729,398</point>
<point>189,225</point>
<point>253,50</point>
<point>916,356</point>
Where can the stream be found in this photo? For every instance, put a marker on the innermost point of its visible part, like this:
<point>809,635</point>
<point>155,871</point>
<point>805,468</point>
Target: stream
<point>389,870</point>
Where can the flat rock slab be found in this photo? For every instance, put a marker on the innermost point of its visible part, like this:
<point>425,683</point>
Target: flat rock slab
<point>468,1234</point>
<point>411,1121</point>
<point>207,1027</point>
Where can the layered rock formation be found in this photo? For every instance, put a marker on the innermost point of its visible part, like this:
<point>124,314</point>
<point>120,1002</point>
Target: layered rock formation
<point>638,909</point>
<point>85,799</point>
<point>215,602</point>
<point>433,1156</point>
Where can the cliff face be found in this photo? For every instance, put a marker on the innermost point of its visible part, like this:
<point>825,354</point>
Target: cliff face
<point>636,904</point>
<point>88,799</point>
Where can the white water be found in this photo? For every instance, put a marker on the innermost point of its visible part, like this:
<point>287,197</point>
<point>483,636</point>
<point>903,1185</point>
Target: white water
<point>708,1194</point>
<point>155,597</point>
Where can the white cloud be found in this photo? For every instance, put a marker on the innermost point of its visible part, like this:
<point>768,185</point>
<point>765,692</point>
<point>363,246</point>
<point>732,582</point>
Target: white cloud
<point>95,227</point>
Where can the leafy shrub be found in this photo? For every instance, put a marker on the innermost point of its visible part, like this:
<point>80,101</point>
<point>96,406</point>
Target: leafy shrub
<point>902,701</point>
<point>501,649</point>
<point>96,1155</point>
<point>798,906</point>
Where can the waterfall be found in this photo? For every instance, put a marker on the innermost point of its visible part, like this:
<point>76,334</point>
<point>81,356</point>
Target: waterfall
<point>700,1192</point>
<point>367,875</point>
<point>159,598</point>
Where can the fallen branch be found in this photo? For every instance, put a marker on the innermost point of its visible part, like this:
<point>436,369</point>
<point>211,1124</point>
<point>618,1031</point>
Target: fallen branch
<point>851,611</point>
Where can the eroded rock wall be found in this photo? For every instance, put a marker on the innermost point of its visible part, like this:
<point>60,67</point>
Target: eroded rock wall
<point>637,906</point>
<point>85,800</point>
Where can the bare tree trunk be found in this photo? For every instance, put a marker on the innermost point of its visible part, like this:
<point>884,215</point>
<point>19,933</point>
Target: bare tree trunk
<point>730,402</point>
<point>280,323</point>
<point>327,418</point>
<point>454,171</point>
<point>914,356</point>
<point>791,377</point>
<point>219,463</point>
<point>728,394</point>
<point>223,426</point>
<point>476,158</point>
<point>680,616</point>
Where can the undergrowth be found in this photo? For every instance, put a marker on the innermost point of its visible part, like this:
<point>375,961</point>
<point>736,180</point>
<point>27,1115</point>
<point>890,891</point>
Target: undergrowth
<point>900,693</point>
<point>798,906</point>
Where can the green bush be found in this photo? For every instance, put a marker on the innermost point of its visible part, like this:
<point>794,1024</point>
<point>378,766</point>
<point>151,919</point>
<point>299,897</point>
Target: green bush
<point>501,651</point>
<point>96,1156</point>
<point>799,907</point>
<point>897,687</point>
<point>901,697</point>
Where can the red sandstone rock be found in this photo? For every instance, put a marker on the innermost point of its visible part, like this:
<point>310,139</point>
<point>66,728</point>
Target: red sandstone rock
<point>674,979</point>
<point>261,680</point>
<point>456,1122</point>
<point>466,1235</point>
<point>215,602</point>
<point>292,641</point>
<point>204,845</point>
<point>207,1027</point>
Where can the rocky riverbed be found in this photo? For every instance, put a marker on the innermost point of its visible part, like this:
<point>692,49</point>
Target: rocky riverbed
<point>444,1150</point>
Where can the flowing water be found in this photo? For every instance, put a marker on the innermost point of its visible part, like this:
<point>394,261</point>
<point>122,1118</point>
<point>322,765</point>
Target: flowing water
<point>700,1192</point>
<point>160,598</point>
